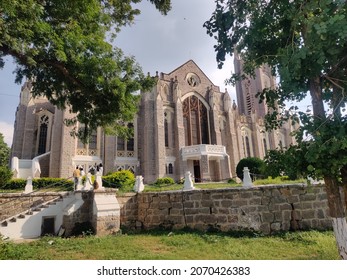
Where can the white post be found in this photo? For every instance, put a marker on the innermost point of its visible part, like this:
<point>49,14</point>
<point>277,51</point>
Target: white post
<point>139,186</point>
<point>247,180</point>
<point>98,179</point>
<point>29,186</point>
<point>188,182</point>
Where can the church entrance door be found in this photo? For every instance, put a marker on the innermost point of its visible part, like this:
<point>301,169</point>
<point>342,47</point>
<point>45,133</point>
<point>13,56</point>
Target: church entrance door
<point>197,174</point>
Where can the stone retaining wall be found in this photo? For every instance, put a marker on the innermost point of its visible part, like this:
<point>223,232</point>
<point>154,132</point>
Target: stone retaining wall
<point>266,209</point>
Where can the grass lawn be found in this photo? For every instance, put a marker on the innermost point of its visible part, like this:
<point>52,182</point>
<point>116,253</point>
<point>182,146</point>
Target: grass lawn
<point>162,245</point>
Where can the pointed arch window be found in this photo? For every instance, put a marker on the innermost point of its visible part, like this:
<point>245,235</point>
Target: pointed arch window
<point>166,130</point>
<point>195,121</point>
<point>43,134</point>
<point>265,145</point>
<point>248,148</point>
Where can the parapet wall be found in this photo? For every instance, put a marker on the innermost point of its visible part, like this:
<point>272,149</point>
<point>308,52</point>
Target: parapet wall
<point>265,208</point>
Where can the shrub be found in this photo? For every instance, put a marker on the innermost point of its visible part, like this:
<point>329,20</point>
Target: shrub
<point>255,165</point>
<point>123,180</point>
<point>164,181</point>
<point>40,183</point>
<point>5,175</point>
<point>232,181</point>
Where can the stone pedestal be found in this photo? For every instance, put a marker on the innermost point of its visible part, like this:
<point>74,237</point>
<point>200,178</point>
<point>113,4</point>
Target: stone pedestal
<point>106,213</point>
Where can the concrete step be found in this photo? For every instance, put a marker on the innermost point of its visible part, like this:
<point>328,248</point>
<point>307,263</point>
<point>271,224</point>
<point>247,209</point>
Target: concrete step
<point>4,224</point>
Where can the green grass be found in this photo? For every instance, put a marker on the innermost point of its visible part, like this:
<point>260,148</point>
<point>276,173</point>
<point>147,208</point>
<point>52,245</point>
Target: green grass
<point>176,187</point>
<point>162,245</point>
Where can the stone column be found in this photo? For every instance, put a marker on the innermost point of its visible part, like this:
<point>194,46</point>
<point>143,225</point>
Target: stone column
<point>204,168</point>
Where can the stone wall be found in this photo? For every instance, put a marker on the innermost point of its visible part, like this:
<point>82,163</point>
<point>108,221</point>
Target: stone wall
<point>80,218</point>
<point>266,209</point>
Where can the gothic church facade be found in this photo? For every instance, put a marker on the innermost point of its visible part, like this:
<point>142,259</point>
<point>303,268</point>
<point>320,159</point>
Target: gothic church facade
<point>185,123</point>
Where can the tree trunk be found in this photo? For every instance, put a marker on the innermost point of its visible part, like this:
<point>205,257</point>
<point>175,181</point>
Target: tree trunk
<point>344,184</point>
<point>317,100</point>
<point>337,213</point>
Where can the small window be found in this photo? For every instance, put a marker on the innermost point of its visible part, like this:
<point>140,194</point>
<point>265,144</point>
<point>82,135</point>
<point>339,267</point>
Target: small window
<point>170,168</point>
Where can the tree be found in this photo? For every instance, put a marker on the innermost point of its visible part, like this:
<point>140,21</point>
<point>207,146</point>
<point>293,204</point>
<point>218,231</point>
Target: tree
<point>5,172</point>
<point>4,152</point>
<point>65,48</point>
<point>285,162</point>
<point>305,44</point>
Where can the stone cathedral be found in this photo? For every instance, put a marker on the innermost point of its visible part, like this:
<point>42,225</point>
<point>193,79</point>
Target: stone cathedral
<point>185,123</point>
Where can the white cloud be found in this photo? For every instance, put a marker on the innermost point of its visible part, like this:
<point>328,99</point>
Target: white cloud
<point>7,130</point>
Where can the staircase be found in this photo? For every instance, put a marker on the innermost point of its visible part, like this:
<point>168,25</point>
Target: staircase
<point>28,224</point>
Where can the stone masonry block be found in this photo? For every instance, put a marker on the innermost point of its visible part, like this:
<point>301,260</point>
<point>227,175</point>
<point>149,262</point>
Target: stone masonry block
<point>267,217</point>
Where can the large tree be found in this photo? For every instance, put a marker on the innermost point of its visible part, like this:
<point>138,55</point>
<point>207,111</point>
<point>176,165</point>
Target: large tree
<point>65,48</point>
<point>4,152</point>
<point>304,41</point>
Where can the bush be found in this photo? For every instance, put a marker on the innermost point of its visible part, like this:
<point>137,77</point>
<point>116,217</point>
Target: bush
<point>5,175</point>
<point>123,180</point>
<point>255,165</point>
<point>164,181</point>
<point>232,181</point>
<point>40,183</point>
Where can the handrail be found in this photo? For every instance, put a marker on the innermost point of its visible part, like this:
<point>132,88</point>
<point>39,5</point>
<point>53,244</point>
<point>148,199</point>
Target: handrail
<point>23,195</point>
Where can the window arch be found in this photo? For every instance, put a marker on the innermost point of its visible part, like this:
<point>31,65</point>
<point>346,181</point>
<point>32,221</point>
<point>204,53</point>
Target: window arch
<point>248,148</point>
<point>166,130</point>
<point>265,145</point>
<point>43,134</point>
<point>195,119</point>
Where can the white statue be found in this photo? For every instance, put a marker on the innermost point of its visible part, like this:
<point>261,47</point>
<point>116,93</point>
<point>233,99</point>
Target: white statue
<point>188,182</point>
<point>139,186</point>
<point>88,184</point>
<point>29,186</point>
<point>247,180</point>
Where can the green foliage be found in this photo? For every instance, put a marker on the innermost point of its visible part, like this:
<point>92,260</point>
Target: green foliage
<point>39,184</point>
<point>5,176</point>
<point>304,44</point>
<point>232,181</point>
<point>290,162</point>
<point>255,165</point>
<point>67,49</point>
<point>278,181</point>
<point>123,180</point>
<point>4,152</point>
<point>164,181</point>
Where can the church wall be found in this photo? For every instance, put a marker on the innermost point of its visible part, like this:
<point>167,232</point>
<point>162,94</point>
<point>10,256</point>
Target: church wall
<point>56,144</point>
<point>146,143</point>
<point>68,150</point>
<point>109,153</point>
<point>18,135</point>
